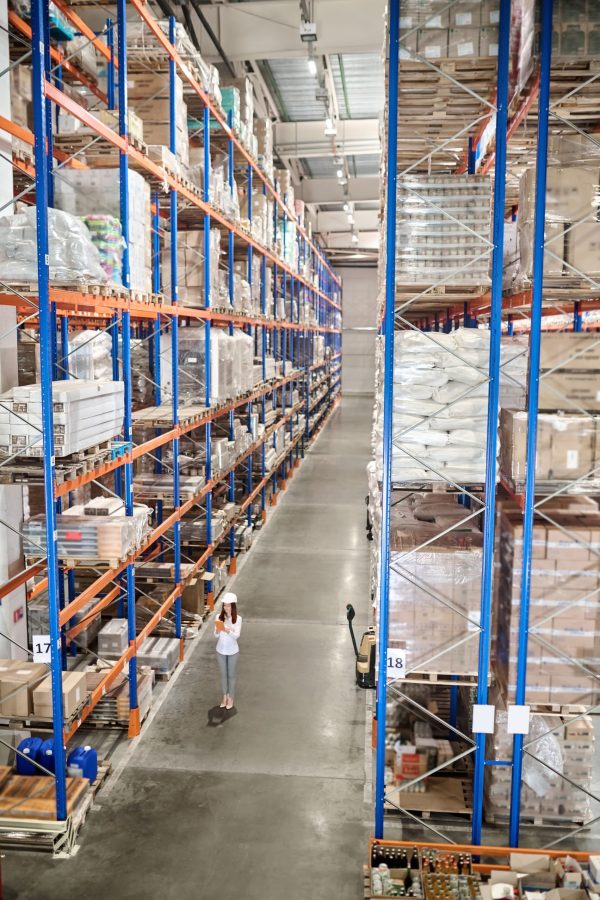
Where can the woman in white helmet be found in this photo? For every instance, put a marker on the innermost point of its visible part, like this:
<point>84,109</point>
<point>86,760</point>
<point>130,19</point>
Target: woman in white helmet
<point>228,627</point>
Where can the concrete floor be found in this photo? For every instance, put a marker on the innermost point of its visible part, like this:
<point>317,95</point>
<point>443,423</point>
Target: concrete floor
<point>269,803</point>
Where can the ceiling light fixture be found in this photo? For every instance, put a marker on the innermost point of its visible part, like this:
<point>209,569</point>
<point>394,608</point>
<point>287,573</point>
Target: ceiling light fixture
<point>312,65</point>
<point>354,237</point>
<point>340,173</point>
<point>330,127</point>
<point>346,207</point>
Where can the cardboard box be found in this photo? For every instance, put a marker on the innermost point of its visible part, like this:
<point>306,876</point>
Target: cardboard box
<point>432,43</point>
<point>193,597</point>
<point>488,40</point>
<point>583,248</point>
<point>19,679</point>
<point>463,43</point>
<point>571,351</point>
<point>74,691</point>
<point>569,391</point>
<point>465,14</point>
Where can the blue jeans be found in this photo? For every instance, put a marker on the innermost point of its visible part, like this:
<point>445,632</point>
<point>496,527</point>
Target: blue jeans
<point>228,669</point>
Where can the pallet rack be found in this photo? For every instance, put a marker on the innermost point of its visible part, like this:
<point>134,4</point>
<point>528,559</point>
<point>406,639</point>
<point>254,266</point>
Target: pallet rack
<point>125,314</point>
<point>488,130</point>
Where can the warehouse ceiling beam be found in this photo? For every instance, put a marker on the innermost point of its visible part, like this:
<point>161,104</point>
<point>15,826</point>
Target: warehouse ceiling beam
<point>207,26</point>
<point>269,29</point>
<point>364,220</point>
<point>355,137</point>
<point>329,190</point>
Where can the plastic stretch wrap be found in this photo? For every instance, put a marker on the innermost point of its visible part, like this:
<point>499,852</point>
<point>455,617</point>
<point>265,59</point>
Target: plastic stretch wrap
<point>514,361</point>
<point>190,266</point>
<point>243,362</point>
<point>90,356</point>
<point>106,235</point>
<point>440,582</point>
<point>72,254</point>
<point>431,245</point>
<point>439,406</point>
<point>222,366</point>
<point>190,366</point>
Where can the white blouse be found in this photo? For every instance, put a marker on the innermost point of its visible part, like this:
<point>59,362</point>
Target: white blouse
<point>227,642</point>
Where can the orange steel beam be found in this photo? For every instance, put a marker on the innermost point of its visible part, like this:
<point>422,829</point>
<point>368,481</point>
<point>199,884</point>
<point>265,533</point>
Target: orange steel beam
<point>144,12</point>
<point>19,579</point>
<point>81,26</point>
<point>102,604</point>
<point>25,135</point>
<point>59,58</point>
<point>480,850</point>
<point>525,106</point>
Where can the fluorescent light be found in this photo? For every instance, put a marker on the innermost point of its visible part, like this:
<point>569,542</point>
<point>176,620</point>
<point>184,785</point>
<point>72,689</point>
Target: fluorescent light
<point>312,65</point>
<point>346,207</point>
<point>354,238</point>
<point>350,218</point>
<point>340,173</point>
<point>330,127</point>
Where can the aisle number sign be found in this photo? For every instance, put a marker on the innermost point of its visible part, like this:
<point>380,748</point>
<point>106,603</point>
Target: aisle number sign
<point>41,648</point>
<point>396,663</point>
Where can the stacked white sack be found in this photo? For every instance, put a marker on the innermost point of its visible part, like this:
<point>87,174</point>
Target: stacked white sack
<point>440,405</point>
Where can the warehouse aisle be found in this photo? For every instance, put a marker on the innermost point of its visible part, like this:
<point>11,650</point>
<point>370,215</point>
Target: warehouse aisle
<point>261,806</point>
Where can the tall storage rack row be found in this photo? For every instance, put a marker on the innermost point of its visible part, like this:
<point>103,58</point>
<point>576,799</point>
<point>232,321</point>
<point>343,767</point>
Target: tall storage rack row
<point>484,482</point>
<point>206,456</point>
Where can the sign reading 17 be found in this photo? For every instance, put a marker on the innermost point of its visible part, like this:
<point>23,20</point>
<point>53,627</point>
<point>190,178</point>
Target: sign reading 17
<point>41,644</point>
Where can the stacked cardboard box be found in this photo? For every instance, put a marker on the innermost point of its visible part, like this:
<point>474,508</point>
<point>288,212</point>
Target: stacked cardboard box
<point>572,230</point>
<point>468,29</point>
<point>190,267</point>
<point>74,692</point>
<point>576,29</point>
<point>439,582</point>
<point>245,92</point>
<point>17,683</point>
<point>569,371</point>
<point>567,746</point>
<point>568,447</point>
<point>264,138</point>
<point>564,613</point>
<point>148,96</point>
<point>21,106</point>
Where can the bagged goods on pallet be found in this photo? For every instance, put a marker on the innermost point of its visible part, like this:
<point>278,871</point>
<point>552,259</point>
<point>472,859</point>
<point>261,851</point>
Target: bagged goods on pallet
<point>190,266</point>
<point>86,413</point>
<point>72,254</point>
<point>564,632</point>
<point>90,356</point>
<point>433,247</point>
<point>440,405</point>
<point>90,192</point>
<point>514,361</point>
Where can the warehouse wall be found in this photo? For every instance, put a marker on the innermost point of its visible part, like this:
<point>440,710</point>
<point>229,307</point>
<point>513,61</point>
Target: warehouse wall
<point>359,302</point>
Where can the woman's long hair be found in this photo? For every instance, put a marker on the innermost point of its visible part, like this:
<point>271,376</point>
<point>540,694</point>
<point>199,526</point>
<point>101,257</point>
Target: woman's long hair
<point>233,613</point>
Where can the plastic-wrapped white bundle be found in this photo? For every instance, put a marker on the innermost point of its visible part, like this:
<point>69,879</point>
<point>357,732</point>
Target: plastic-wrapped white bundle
<point>514,361</point>
<point>440,405</point>
<point>90,356</point>
<point>73,256</point>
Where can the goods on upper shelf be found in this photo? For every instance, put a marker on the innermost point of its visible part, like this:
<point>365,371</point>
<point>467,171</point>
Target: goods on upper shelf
<point>443,229</point>
<point>84,534</point>
<point>572,231</point>
<point>564,649</point>
<point>85,413</point>
<point>91,192</point>
<point>72,254</point>
<point>190,266</point>
<point>440,406</point>
<point>436,30</point>
<point>434,577</point>
<point>148,94</point>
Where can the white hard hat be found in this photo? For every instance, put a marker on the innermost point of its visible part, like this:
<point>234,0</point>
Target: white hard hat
<point>230,597</point>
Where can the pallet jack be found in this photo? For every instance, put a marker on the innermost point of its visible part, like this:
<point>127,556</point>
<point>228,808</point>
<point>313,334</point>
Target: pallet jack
<point>365,654</point>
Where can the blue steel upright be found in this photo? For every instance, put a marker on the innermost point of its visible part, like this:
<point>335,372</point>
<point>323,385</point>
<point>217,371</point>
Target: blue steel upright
<point>175,339</point>
<point>134,713</point>
<point>39,15</point>
<point>207,338</point>
<point>487,572</point>
<point>388,388</point>
<point>532,403</point>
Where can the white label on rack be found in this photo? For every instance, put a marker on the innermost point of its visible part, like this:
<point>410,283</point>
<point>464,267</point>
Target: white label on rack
<point>433,52</point>
<point>464,18</point>
<point>572,459</point>
<point>41,644</point>
<point>483,718</point>
<point>466,49</point>
<point>396,663</point>
<point>433,22</point>
<point>494,16</point>
<point>518,720</point>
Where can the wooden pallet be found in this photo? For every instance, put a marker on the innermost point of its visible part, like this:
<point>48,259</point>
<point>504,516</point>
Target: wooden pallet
<point>443,796</point>
<point>539,821</point>
<point>34,796</point>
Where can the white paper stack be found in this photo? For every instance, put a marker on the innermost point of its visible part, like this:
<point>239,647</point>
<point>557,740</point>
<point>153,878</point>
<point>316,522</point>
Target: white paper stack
<point>85,413</point>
